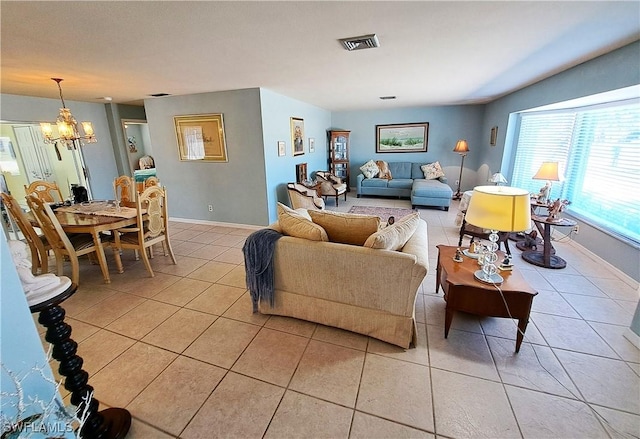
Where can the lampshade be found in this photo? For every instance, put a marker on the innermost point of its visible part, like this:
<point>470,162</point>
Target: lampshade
<point>461,147</point>
<point>497,178</point>
<point>548,171</point>
<point>501,208</point>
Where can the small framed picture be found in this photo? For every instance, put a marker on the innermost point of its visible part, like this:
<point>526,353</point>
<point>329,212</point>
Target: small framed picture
<point>297,135</point>
<point>494,136</point>
<point>282,148</point>
<point>312,144</point>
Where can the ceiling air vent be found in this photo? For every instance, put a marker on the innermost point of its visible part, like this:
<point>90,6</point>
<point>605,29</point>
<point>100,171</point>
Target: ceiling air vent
<point>159,95</point>
<point>363,42</point>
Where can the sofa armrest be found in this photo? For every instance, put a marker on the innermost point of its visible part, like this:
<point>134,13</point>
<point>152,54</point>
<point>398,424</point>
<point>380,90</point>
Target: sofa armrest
<point>359,179</point>
<point>443,179</point>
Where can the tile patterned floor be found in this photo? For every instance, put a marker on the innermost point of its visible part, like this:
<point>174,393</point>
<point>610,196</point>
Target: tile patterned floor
<point>183,352</point>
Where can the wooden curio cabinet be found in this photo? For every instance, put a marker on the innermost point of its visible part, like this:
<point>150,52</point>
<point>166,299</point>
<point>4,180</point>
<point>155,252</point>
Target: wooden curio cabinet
<point>339,154</point>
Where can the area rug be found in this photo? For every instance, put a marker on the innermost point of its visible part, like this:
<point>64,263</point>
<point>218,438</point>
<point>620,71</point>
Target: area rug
<point>383,212</point>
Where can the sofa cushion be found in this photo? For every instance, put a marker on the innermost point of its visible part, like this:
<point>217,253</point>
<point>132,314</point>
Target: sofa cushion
<point>400,183</point>
<point>431,189</point>
<point>384,170</point>
<point>395,236</point>
<point>346,228</point>
<point>416,171</point>
<point>375,182</point>
<point>400,169</point>
<point>432,171</point>
<point>294,223</point>
<point>370,169</point>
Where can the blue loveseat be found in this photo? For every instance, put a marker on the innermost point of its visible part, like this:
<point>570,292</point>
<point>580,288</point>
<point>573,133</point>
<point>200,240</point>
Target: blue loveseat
<point>408,181</point>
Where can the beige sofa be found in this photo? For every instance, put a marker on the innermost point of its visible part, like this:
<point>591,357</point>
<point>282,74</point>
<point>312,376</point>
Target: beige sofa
<point>360,289</point>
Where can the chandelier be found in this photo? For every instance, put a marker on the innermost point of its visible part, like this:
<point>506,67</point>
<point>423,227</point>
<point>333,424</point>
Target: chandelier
<point>67,127</point>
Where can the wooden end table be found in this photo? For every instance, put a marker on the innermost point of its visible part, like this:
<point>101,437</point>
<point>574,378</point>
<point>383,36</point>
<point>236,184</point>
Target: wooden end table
<point>547,258</point>
<point>462,292</point>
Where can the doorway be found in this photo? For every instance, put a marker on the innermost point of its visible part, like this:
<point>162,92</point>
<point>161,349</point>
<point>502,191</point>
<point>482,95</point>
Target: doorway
<point>25,158</point>
<point>137,142</point>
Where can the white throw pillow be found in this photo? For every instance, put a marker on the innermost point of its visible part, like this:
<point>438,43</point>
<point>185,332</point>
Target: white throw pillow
<point>370,169</point>
<point>432,171</point>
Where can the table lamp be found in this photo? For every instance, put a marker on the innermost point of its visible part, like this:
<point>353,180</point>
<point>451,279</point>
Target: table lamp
<point>548,171</point>
<point>462,148</point>
<point>498,179</point>
<point>499,209</point>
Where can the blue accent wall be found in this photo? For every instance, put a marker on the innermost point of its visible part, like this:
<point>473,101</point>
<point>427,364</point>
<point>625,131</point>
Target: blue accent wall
<point>447,124</point>
<point>276,112</point>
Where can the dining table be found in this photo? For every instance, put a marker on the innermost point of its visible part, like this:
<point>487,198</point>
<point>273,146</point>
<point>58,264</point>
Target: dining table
<point>94,218</point>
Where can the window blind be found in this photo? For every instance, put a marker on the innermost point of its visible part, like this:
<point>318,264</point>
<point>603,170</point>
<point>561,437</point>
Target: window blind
<point>599,149</point>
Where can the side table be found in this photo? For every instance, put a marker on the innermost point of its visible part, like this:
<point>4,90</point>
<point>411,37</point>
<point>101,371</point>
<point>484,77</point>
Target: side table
<point>547,258</point>
<point>462,292</point>
<point>112,423</point>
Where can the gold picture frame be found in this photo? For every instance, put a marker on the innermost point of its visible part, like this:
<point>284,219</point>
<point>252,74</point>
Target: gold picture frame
<point>402,137</point>
<point>297,135</point>
<point>201,137</point>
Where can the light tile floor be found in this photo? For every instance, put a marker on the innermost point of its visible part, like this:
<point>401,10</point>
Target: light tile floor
<point>183,352</point>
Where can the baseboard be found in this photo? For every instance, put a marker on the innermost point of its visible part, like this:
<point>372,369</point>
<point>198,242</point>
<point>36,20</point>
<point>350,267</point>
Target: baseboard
<point>632,337</point>
<point>216,223</point>
<point>620,274</point>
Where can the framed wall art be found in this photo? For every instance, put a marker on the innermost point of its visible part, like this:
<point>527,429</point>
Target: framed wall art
<point>282,148</point>
<point>405,137</point>
<point>297,135</point>
<point>201,137</point>
<point>494,136</point>
<point>312,144</point>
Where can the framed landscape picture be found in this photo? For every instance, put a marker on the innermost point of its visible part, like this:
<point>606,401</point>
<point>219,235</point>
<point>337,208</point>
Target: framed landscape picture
<point>406,137</point>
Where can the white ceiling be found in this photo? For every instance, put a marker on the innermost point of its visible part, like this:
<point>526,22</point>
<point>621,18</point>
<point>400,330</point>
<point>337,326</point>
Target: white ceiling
<point>432,53</point>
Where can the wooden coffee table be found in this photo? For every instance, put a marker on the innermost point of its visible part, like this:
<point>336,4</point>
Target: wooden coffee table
<point>463,292</point>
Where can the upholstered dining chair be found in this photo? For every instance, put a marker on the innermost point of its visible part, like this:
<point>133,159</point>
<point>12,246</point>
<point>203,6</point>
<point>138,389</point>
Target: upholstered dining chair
<point>62,245</point>
<point>303,197</point>
<point>151,181</point>
<point>151,227</point>
<point>37,243</point>
<point>124,190</point>
<point>44,190</point>
<point>331,186</point>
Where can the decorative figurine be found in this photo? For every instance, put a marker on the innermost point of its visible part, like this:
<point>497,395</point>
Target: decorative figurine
<point>556,207</point>
<point>458,256</point>
<point>391,220</point>
<point>506,264</point>
<point>545,191</point>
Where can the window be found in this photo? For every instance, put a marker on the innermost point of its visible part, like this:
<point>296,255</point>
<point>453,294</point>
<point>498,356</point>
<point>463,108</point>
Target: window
<point>598,147</point>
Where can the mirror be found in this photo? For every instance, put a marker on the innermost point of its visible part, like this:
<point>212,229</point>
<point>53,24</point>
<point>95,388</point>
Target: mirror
<point>25,158</point>
<point>137,142</point>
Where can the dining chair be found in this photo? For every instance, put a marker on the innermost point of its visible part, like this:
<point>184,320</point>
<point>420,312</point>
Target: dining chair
<point>151,181</point>
<point>124,190</point>
<point>45,190</point>
<point>151,227</point>
<point>62,245</point>
<point>37,243</point>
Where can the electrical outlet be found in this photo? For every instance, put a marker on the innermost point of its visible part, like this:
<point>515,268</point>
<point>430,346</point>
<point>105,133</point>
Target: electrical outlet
<point>210,207</point>
<point>576,229</point>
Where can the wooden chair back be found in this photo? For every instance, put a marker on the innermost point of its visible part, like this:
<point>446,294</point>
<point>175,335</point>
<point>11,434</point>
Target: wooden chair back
<point>60,244</point>
<point>151,181</point>
<point>38,245</point>
<point>152,226</point>
<point>124,190</point>
<point>44,190</point>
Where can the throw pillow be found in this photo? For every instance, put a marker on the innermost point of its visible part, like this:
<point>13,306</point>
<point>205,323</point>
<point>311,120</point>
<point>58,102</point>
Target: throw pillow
<point>346,228</point>
<point>384,170</point>
<point>395,236</point>
<point>370,169</point>
<point>293,223</point>
<point>432,170</point>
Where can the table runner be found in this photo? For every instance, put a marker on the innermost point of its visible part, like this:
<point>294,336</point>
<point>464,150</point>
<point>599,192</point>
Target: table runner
<point>101,208</point>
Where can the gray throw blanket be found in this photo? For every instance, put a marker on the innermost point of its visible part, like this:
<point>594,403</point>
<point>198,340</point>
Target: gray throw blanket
<point>258,252</point>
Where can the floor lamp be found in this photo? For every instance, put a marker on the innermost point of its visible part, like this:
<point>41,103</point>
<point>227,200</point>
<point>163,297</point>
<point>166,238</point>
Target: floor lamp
<point>461,148</point>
